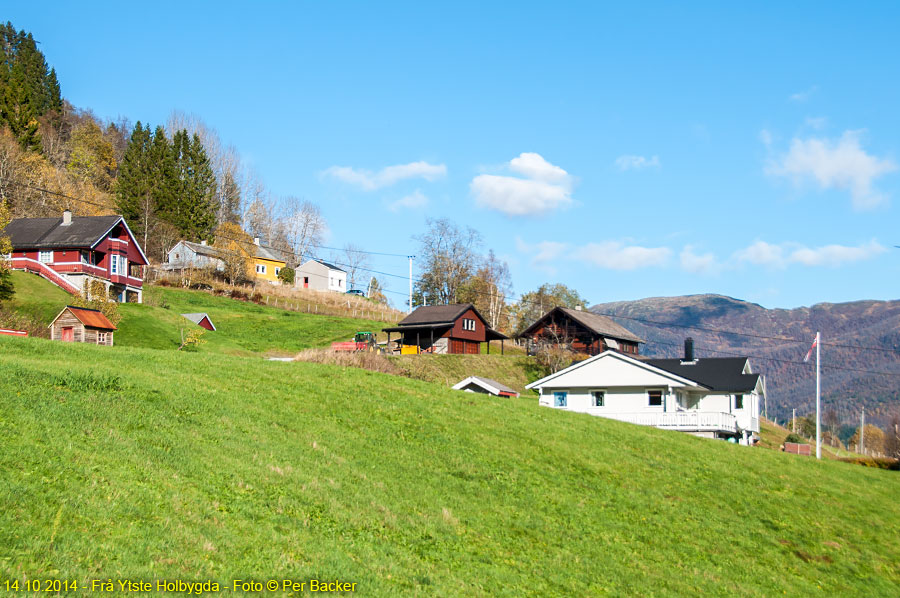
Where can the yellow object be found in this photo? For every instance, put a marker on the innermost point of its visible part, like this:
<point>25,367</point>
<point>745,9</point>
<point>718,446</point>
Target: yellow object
<point>264,269</point>
<point>409,350</point>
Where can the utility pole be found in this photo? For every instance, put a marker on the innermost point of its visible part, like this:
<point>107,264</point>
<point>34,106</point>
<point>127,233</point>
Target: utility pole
<point>410,282</point>
<point>794,421</point>
<point>818,400</point>
<point>862,431</point>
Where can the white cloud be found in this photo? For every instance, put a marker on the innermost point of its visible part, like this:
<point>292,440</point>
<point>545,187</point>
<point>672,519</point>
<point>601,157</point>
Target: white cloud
<point>781,256</point>
<point>698,263</point>
<point>614,255</point>
<point>636,162</point>
<point>802,96</point>
<point>370,181</point>
<point>840,164</point>
<point>413,201</point>
<point>534,166</point>
<point>545,254</point>
<point>766,137</point>
<point>546,188</point>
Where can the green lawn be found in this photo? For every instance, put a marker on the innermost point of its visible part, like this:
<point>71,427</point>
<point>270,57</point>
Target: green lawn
<point>241,327</point>
<point>130,463</point>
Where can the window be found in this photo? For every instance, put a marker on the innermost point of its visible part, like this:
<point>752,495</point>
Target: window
<point>114,264</point>
<point>277,271</point>
<point>738,401</point>
<point>598,398</point>
<point>654,398</point>
<point>468,324</point>
<point>101,338</point>
<point>45,257</point>
<point>559,399</point>
<point>6,256</point>
<point>85,258</point>
<point>260,268</point>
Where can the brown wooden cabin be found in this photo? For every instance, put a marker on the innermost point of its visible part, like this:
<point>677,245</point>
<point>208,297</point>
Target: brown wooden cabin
<point>82,325</point>
<point>580,331</point>
<point>454,329</point>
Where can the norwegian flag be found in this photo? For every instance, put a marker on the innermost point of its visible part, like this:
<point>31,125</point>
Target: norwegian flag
<point>809,353</point>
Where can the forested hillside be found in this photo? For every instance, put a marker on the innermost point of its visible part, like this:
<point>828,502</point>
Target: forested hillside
<point>860,350</point>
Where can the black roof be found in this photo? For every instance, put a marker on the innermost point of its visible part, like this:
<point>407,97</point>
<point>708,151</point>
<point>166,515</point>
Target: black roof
<point>716,373</point>
<point>441,316</point>
<point>36,233</point>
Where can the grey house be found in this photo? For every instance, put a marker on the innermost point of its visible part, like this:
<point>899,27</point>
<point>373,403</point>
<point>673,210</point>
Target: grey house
<point>186,254</point>
<point>320,276</point>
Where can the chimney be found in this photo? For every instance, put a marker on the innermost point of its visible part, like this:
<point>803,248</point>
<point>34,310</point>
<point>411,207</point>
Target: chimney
<point>256,240</point>
<point>203,242</point>
<point>577,308</point>
<point>67,218</point>
<point>689,349</point>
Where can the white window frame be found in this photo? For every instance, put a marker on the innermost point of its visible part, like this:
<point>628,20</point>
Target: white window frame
<point>260,268</point>
<point>45,257</point>
<point>602,393</point>
<point>560,398</point>
<point>469,324</point>
<point>101,338</point>
<point>277,270</point>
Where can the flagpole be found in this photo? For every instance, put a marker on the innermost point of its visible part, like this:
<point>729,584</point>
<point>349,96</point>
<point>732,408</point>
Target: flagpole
<point>818,394</point>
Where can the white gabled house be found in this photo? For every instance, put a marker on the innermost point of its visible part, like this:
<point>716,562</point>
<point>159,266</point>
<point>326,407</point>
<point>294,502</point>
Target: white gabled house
<point>320,276</point>
<point>710,397</point>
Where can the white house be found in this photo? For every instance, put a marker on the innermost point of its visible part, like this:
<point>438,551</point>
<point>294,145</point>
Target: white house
<point>485,386</point>
<point>320,276</point>
<point>710,397</point>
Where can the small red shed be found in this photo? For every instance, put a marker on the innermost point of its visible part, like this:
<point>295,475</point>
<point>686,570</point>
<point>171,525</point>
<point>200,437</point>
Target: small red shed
<point>82,325</point>
<point>202,320</point>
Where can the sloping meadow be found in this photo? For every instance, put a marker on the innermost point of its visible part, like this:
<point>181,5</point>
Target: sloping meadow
<point>137,464</point>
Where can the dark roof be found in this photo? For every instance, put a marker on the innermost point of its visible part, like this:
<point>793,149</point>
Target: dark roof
<point>495,384</point>
<point>36,233</point>
<point>330,266</point>
<point>201,249</point>
<point>441,316</point>
<point>267,253</point>
<point>437,314</point>
<point>716,373</point>
<point>600,325</point>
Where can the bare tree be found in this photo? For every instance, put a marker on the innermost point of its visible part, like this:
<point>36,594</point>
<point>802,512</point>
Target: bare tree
<point>356,261</point>
<point>449,255</point>
<point>301,226</point>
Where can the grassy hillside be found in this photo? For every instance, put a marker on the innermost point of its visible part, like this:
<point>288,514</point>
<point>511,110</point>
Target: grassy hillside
<point>241,327</point>
<point>141,464</point>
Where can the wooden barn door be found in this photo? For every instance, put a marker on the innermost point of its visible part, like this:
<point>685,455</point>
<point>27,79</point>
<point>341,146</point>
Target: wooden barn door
<point>472,348</point>
<point>457,346</point>
<point>68,334</point>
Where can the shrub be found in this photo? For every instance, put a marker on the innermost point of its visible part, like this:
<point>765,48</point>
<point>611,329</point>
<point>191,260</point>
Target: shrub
<point>286,275</point>
<point>796,438</point>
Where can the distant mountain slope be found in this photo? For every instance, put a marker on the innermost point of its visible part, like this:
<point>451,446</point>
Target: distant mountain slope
<point>790,383</point>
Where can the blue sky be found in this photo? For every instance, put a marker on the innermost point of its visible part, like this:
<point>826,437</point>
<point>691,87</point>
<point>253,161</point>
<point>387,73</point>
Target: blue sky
<point>626,151</point>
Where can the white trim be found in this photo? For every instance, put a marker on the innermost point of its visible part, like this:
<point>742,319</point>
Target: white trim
<point>130,234</point>
<point>623,357</point>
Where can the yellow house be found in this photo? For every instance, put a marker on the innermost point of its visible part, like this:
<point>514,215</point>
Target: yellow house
<point>266,263</point>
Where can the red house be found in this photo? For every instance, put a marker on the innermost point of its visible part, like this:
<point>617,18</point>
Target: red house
<point>457,328</point>
<point>69,251</point>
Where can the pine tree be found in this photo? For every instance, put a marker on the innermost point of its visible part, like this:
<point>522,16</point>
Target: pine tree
<point>134,185</point>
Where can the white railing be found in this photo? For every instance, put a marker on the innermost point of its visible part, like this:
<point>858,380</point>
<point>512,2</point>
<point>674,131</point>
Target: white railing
<point>45,271</point>
<point>679,420</point>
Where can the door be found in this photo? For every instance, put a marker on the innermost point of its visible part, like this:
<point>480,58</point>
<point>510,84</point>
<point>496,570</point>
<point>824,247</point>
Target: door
<point>68,334</point>
<point>306,282</point>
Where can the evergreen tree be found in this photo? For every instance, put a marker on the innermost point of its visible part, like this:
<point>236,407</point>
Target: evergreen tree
<point>134,185</point>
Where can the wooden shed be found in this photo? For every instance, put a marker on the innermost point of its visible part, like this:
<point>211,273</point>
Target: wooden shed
<point>457,328</point>
<point>202,320</point>
<point>82,325</point>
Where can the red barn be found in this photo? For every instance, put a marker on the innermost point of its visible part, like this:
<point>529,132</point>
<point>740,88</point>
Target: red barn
<point>457,328</point>
<point>71,250</point>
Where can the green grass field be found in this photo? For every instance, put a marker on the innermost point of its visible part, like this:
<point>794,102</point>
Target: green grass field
<point>242,328</point>
<point>129,463</point>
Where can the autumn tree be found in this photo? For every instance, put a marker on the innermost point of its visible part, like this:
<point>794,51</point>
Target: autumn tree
<point>892,437</point>
<point>235,249</point>
<point>488,289</point>
<point>7,289</point>
<point>535,304</point>
<point>92,156</point>
<point>376,293</point>
<point>449,257</point>
<point>872,441</point>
